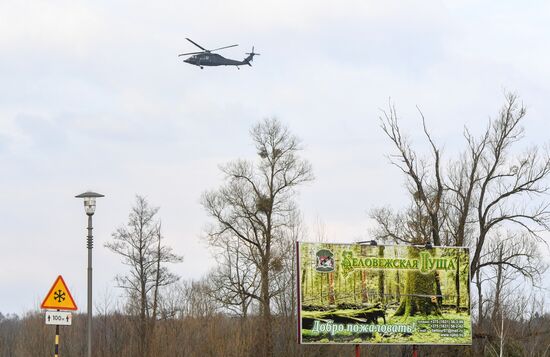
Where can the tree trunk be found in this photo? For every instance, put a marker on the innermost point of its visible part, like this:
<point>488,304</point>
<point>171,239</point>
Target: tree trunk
<point>417,284</point>
<point>354,287</point>
<point>438,292</point>
<point>468,289</point>
<point>331,295</point>
<point>381,291</point>
<point>479,347</point>
<point>142,315</point>
<point>479,300</point>
<point>497,298</point>
<point>398,284</point>
<point>321,288</point>
<point>304,285</point>
<point>364,291</point>
<point>477,253</point>
<point>418,291</point>
<point>153,318</point>
<point>267,337</point>
<point>457,281</point>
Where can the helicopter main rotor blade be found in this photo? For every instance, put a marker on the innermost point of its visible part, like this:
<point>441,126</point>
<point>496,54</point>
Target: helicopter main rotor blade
<point>190,53</point>
<point>253,53</point>
<point>196,44</point>
<point>221,48</point>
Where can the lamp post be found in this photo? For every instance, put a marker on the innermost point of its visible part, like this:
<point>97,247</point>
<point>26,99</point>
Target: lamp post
<point>89,206</point>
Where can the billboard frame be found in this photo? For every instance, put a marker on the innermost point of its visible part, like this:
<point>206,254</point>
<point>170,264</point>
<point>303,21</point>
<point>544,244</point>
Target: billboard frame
<point>416,343</point>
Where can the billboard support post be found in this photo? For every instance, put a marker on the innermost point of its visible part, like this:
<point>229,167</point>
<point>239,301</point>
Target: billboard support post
<point>357,350</point>
<point>415,351</point>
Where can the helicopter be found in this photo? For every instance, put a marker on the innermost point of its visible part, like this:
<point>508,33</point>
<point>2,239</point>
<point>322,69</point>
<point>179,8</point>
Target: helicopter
<point>207,58</point>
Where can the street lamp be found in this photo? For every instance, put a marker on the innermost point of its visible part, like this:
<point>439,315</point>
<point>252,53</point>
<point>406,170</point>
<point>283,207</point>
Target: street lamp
<point>89,206</point>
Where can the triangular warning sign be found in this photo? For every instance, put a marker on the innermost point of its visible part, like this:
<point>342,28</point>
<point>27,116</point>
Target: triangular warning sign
<point>59,297</point>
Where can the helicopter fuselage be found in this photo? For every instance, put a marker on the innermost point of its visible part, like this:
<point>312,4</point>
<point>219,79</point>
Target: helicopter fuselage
<point>213,59</point>
<point>207,58</point>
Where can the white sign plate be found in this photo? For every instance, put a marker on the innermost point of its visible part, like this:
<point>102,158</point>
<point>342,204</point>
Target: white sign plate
<point>58,318</point>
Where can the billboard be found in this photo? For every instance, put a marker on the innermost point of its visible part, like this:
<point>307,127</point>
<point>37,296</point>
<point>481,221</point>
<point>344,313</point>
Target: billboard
<point>393,294</point>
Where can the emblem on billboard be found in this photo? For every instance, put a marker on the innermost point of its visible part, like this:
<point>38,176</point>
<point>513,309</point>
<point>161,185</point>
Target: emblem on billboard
<point>325,261</point>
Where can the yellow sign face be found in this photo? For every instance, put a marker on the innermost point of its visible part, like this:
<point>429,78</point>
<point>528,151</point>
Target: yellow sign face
<point>59,297</point>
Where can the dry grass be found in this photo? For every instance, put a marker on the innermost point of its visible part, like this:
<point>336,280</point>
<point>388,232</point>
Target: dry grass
<point>115,335</point>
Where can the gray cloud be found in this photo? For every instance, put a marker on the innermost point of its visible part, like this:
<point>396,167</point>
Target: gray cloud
<point>93,96</point>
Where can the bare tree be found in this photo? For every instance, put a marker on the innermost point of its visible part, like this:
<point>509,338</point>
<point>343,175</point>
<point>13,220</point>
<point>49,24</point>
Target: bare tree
<point>488,189</point>
<point>284,267</point>
<point>235,279</point>
<point>425,181</point>
<point>195,299</point>
<point>255,204</point>
<point>511,260</point>
<point>509,186</point>
<point>139,243</point>
<point>492,189</point>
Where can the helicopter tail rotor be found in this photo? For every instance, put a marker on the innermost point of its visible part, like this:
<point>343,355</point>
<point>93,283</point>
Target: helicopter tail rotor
<point>252,52</point>
<point>250,57</point>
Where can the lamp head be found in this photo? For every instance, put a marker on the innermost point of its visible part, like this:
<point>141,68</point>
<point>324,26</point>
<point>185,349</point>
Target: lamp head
<point>89,201</point>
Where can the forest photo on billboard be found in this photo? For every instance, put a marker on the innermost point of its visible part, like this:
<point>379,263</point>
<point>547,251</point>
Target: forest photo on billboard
<point>376,294</point>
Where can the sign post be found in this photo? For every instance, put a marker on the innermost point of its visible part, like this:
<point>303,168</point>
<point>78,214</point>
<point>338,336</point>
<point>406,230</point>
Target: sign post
<point>56,341</point>
<point>59,298</point>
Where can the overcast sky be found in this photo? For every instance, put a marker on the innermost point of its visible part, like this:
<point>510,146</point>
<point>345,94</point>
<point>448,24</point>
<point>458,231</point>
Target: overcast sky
<point>93,96</point>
